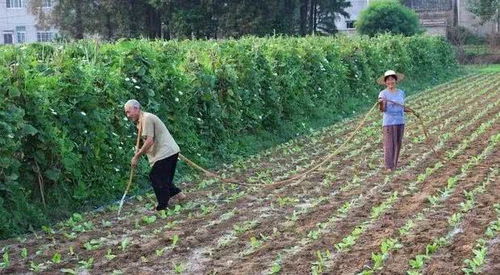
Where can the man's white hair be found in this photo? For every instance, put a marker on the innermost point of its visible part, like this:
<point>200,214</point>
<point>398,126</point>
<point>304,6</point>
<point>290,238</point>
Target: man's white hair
<point>134,103</point>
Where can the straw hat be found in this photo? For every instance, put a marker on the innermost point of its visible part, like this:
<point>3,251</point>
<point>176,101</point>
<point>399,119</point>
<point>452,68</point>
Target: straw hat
<point>399,77</point>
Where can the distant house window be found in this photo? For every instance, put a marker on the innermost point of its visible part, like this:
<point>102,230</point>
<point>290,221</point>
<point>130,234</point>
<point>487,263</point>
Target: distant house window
<point>43,36</point>
<point>21,34</point>
<point>47,3</point>
<point>13,4</point>
<point>350,24</point>
<point>7,38</point>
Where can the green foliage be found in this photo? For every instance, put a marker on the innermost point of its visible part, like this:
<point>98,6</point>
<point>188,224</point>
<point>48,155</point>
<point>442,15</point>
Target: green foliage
<point>63,125</point>
<point>193,18</point>
<point>485,9</point>
<point>388,16</point>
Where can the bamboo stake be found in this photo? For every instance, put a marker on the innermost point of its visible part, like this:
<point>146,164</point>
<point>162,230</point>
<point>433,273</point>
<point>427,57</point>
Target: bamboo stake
<point>131,176</point>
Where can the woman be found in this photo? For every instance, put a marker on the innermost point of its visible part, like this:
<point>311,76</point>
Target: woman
<point>391,102</point>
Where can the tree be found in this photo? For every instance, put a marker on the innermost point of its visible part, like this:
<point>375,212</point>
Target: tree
<point>388,16</point>
<point>486,10</point>
<point>112,19</point>
<point>320,15</point>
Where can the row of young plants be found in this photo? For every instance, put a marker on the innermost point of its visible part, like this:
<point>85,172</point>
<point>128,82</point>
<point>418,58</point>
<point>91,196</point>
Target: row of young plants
<point>475,264</point>
<point>344,246</point>
<point>389,244</point>
<point>293,217</point>
<point>454,220</point>
<point>307,205</point>
<point>327,226</point>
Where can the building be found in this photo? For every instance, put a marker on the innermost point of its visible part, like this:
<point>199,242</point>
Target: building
<point>347,24</point>
<point>18,25</point>
<point>435,16</point>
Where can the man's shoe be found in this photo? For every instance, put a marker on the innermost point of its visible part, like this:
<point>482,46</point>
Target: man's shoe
<point>161,207</point>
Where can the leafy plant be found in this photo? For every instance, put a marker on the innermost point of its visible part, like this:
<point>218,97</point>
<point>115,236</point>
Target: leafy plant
<point>255,243</point>
<point>36,267</point>
<point>175,240</point>
<point>418,261</point>
<point>149,219</point>
<point>109,255</point>
<point>6,262</point>
<point>179,268</point>
<point>88,264</point>
<point>125,243</point>
<point>92,245</point>
<point>56,258</point>
<point>24,253</point>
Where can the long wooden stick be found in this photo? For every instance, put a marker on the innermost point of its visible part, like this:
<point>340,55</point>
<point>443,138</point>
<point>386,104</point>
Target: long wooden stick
<point>131,176</point>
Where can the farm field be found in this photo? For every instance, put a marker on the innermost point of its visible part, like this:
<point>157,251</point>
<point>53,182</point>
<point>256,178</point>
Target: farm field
<point>439,213</point>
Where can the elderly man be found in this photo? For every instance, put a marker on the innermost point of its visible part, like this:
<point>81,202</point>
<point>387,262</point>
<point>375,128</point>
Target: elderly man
<point>161,149</point>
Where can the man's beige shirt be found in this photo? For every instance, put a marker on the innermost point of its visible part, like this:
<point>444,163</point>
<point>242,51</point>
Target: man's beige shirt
<point>164,144</point>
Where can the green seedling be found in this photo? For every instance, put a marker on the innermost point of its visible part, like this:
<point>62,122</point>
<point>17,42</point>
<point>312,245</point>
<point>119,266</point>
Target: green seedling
<point>378,260</point>
<point>124,244</point>
<point>276,267</point>
<point>24,253</point>
<point>6,262</point>
<point>36,267</point>
<point>88,264</point>
<point>294,217</point>
<point>48,230</point>
<point>455,219</point>
<point>418,261</point>
<point>287,201</point>
<point>148,219</point>
<point>159,252</point>
<point>255,243</point>
<point>175,240</point>
<point>205,210</point>
<point>179,268</point>
<point>92,245</point>
<point>109,256</point>
<point>313,234</point>
<point>70,236</point>
<point>56,258</point>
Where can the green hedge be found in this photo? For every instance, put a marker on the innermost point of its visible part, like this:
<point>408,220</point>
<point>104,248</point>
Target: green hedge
<point>63,126</point>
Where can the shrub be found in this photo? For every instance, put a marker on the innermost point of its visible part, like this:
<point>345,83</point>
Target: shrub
<point>390,16</point>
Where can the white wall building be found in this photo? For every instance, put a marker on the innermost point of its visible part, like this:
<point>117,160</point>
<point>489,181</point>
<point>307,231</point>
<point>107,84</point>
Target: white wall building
<point>18,25</point>
<point>347,24</point>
